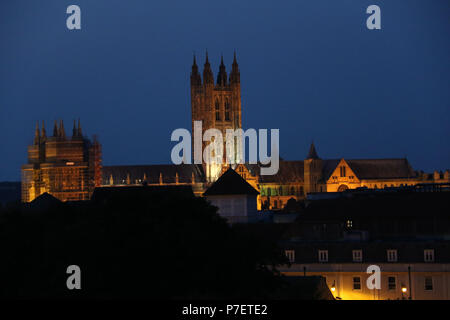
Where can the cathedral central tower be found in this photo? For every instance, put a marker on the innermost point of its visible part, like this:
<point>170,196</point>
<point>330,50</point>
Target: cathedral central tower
<point>216,104</point>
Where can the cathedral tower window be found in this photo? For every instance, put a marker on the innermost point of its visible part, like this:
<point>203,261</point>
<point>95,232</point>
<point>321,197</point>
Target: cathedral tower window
<point>227,110</point>
<point>217,110</point>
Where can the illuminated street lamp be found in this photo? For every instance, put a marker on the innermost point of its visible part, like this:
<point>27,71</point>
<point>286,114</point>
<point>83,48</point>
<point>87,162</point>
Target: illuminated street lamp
<point>333,287</point>
<point>404,289</point>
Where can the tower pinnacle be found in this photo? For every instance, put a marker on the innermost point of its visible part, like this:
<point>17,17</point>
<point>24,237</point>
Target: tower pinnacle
<point>235,75</point>
<point>37,134</point>
<point>196,80</point>
<point>208,76</point>
<point>222,76</point>
<point>312,152</point>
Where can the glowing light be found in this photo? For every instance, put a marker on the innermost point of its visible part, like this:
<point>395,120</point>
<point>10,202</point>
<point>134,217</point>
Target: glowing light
<point>333,287</point>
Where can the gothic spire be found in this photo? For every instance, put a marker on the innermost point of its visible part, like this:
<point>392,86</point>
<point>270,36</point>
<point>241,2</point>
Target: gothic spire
<point>62,131</point>
<point>208,76</point>
<point>195,76</point>
<point>44,133</point>
<point>37,134</point>
<point>312,152</point>
<point>235,75</point>
<point>80,132</point>
<point>222,76</point>
<point>74,130</point>
<point>55,129</point>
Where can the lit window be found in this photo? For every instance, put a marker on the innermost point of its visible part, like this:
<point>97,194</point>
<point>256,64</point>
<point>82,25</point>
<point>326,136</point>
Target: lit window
<point>392,255</point>
<point>357,255</point>
<point>349,223</point>
<point>290,254</point>
<point>428,283</point>
<point>323,255</point>
<point>356,283</point>
<point>392,283</point>
<point>428,255</point>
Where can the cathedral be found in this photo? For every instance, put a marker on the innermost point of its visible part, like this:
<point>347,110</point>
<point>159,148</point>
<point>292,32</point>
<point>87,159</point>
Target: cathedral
<point>70,169</point>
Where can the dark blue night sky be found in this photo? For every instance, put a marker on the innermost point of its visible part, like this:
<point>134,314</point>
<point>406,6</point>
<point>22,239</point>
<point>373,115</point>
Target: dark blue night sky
<point>310,68</point>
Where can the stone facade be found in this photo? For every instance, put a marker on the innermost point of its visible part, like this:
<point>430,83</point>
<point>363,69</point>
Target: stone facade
<point>216,104</point>
<point>67,168</point>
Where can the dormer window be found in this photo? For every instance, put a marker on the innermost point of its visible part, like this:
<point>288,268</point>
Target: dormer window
<point>428,255</point>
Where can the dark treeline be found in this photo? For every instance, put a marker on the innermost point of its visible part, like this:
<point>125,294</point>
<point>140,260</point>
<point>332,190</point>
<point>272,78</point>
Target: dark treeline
<point>134,246</point>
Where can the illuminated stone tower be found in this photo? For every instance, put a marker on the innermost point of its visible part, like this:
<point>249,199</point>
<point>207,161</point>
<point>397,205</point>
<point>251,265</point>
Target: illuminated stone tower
<point>217,105</point>
<point>69,168</point>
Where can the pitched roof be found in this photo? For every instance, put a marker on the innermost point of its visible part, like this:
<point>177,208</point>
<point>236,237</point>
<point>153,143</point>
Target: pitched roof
<point>44,201</point>
<point>230,183</point>
<point>288,171</point>
<point>381,168</point>
<point>328,166</point>
<point>152,173</point>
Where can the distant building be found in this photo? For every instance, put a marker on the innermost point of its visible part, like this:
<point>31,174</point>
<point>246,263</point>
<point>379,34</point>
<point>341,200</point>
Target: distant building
<point>155,175</point>
<point>417,269</point>
<point>218,105</point>
<point>234,197</point>
<point>68,168</point>
<point>405,234</point>
<point>295,179</point>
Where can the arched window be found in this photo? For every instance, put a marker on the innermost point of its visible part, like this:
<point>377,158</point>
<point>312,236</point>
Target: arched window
<point>292,191</point>
<point>227,110</point>
<point>217,110</point>
<point>301,191</point>
<point>269,192</point>
<point>280,191</point>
